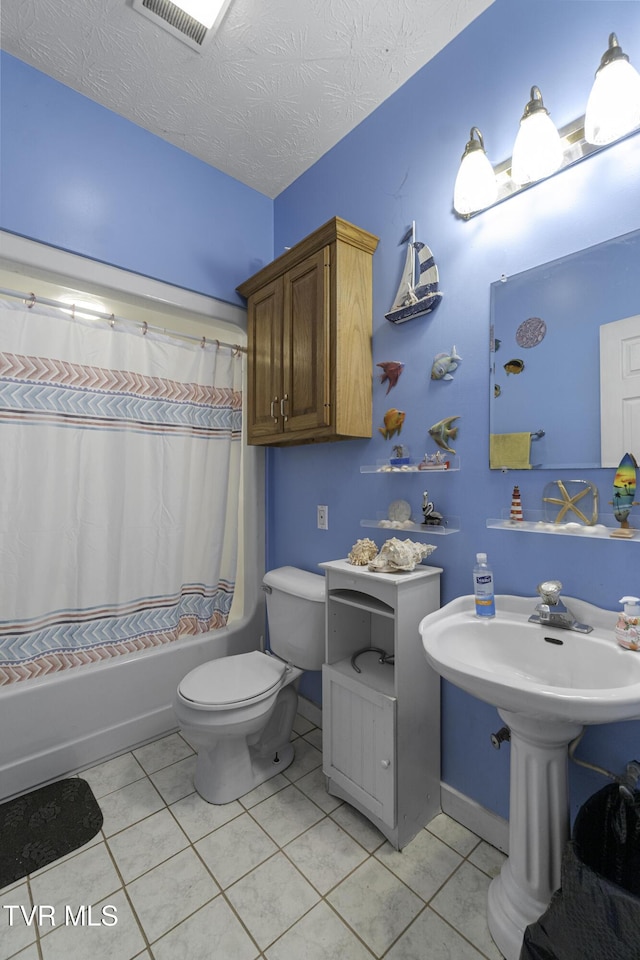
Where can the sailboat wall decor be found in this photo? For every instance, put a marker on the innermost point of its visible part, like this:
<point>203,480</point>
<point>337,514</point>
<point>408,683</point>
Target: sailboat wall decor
<point>419,290</point>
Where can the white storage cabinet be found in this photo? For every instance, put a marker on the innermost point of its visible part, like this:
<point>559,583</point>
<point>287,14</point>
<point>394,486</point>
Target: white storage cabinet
<point>381,727</point>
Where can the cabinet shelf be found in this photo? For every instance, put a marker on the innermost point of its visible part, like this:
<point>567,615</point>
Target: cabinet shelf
<point>449,525</point>
<point>534,522</point>
<point>353,598</point>
<point>373,675</point>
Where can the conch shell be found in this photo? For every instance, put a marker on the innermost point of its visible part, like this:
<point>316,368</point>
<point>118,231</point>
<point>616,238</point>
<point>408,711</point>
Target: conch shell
<point>396,555</point>
<point>362,552</point>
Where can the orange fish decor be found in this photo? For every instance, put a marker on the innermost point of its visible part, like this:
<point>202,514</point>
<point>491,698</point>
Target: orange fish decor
<point>391,370</point>
<point>393,420</point>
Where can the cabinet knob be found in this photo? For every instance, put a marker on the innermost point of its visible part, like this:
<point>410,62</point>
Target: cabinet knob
<point>385,763</point>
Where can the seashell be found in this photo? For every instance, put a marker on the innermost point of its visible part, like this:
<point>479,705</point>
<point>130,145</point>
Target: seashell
<point>362,552</point>
<point>396,555</point>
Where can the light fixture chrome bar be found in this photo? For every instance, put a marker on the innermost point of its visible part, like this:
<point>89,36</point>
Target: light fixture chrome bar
<point>575,148</point>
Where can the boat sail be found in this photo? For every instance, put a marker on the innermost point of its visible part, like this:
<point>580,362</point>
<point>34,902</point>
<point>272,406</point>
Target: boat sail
<point>419,291</point>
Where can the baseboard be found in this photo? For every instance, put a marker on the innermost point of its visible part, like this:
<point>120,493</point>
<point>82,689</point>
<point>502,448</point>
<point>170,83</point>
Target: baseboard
<point>484,823</point>
<point>310,711</point>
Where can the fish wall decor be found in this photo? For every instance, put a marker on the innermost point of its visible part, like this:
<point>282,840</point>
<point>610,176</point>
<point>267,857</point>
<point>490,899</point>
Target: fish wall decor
<point>391,370</point>
<point>442,432</point>
<point>393,420</point>
<point>443,364</point>
<point>514,366</point>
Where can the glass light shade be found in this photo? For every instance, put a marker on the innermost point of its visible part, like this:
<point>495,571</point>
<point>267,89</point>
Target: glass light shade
<point>204,11</point>
<point>613,108</point>
<point>537,152</point>
<point>476,186</point>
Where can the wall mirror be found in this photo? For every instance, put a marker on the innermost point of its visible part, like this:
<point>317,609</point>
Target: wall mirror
<point>565,358</point>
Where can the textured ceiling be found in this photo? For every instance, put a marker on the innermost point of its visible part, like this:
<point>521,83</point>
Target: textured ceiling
<point>278,85</point>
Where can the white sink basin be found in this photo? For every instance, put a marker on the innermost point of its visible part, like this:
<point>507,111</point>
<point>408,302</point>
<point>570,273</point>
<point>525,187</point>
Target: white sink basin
<point>547,683</point>
<point>539,671</point>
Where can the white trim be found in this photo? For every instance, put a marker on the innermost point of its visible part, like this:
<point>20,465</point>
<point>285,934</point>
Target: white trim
<point>484,823</point>
<point>40,258</point>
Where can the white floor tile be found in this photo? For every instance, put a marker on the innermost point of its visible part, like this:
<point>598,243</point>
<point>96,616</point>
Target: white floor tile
<point>120,941</point>
<point>214,931</point>
<point>488,859</point>
<point>463,902</point>
<point>453,833</point>
<point>313,785</point>
<point>264,790</point>
<point>358,827</point>
<point>286,815</point>
<point>15,931</point>
<point>170,892</point>
<point>306,759</point>
<point>113,774</point>
<point>198,818</point>
<point>320,935</point>
<point>271,898</point>
<point>376,904</point>
<point>175,781</point>
<point>82,880</point>
<point>444,943</point>
<point>161,753</point>
<point>146,844</point>
<point>424,864</point>
<point>325,854</point>
<point>235,849</point>
<point>128,805</point>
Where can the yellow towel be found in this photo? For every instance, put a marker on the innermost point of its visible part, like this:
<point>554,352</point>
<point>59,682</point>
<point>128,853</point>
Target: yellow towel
<point>510,451</point>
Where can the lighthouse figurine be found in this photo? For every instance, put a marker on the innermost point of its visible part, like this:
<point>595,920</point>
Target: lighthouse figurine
<point>516,505</point>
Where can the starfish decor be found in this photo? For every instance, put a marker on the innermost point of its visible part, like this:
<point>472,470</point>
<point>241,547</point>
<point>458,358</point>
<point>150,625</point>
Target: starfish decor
<point>569,503</point>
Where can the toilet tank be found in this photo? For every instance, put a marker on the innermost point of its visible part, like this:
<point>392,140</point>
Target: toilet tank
<point>295,612</point>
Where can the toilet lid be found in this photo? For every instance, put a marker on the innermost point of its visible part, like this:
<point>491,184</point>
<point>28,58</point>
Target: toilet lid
<point>245,676</point>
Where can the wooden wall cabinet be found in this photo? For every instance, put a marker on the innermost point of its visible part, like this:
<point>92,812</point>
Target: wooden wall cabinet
<point>309,327</point>
<point>381,726</point>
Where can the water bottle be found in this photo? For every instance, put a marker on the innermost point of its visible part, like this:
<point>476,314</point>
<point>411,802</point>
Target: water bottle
<point>483,587</point>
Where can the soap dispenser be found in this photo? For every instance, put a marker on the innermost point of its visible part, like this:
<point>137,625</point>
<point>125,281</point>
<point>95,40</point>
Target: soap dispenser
<point>628,625</point>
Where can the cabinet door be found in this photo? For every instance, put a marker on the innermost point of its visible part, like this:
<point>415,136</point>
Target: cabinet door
<point>264,386</point>
<point>306,348</point>
<point>359,742</point>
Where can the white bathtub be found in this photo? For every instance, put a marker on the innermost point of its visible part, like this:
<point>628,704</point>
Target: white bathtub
<point>68,722</point>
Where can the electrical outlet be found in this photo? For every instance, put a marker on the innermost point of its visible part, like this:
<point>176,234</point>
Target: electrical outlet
<point>323,517</point>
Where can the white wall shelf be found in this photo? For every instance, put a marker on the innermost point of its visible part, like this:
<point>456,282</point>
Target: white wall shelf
<point>448,525</point>
<point>535,522</point>
<point>384,467</point>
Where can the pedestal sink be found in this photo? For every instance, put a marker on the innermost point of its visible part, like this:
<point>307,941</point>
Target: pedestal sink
<point>547,683</point>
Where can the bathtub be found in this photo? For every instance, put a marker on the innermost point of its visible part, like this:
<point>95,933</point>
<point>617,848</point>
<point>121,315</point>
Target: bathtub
<point>81,716</point>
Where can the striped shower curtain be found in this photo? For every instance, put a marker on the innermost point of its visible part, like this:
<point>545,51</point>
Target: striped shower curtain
<point>120,458</point>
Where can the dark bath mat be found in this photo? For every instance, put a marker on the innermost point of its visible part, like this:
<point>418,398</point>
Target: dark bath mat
<point>44,825</point>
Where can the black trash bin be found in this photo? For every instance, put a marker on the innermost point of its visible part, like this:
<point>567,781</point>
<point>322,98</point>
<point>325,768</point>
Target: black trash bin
<point>595,915</point>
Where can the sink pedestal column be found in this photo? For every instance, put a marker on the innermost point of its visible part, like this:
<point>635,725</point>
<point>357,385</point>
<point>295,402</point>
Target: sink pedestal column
<point>538,827</point>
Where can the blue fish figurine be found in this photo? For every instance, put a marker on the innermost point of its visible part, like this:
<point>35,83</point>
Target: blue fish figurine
<point>443,364</point>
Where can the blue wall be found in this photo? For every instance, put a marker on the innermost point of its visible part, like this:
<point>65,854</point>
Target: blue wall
<point>400,165</point>
<point>81,178</point>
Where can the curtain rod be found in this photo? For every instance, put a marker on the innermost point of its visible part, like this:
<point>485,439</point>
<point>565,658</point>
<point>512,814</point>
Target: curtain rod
<point>30,300</point>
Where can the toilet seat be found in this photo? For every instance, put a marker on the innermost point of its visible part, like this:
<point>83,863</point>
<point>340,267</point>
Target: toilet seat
<point>241,679</point>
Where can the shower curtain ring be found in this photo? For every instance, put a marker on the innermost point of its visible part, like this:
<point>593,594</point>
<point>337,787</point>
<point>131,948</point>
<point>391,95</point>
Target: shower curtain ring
<point>31,301</point>
<point>112,320</point>
<point>145,327</point>
<point>203,343</point>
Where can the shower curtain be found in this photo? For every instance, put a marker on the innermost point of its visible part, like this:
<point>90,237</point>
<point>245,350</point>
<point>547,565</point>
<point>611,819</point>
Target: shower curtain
<point>120,460</point>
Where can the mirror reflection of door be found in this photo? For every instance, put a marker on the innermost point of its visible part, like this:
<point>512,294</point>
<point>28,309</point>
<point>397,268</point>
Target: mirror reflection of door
<point>619,390</point>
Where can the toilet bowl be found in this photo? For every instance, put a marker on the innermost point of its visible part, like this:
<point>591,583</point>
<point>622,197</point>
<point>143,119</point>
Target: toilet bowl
<point>238,711</point>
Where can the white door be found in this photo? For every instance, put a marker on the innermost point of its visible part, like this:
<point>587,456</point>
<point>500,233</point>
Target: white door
<point>619,390</point>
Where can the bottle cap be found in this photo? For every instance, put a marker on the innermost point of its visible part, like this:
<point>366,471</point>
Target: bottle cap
<point>631,605</point>
<point>481,557</point>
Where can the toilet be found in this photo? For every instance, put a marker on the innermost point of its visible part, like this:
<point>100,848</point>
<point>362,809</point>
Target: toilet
<point>238,711</point>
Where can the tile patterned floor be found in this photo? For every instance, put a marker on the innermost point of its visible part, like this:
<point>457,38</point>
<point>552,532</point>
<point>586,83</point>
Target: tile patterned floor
<point>283,873</point>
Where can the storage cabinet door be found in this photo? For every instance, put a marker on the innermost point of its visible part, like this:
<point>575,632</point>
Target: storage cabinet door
<point>306,348</point>
<point>264,386</point>
<point>359,742</point>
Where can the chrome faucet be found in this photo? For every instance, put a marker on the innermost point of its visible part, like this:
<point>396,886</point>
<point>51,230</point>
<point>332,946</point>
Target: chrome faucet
<point>552,612</point>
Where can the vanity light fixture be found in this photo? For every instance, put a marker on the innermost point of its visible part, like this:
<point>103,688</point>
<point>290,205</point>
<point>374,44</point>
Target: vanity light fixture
<point>476,186</point>
<point>540,150</point>
<point>613,108</point>
<point>537,152</point>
